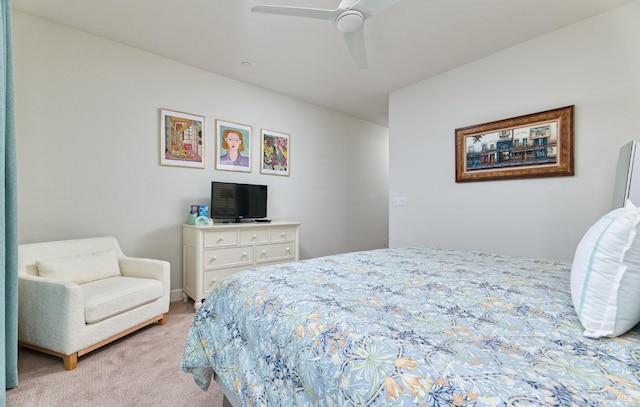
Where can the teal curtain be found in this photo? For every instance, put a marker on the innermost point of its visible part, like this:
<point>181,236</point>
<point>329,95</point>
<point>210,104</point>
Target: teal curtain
<point>9,205</point>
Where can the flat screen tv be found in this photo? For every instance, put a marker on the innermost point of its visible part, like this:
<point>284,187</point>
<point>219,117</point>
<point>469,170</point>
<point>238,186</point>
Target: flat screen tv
<point>234,202</point>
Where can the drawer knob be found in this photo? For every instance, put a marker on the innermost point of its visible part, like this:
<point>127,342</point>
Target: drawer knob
<point>283,234</point>
<point>213,281</point>
<point>264,252</point>
<point>255,236</point>
<point>288,250</point>
<point>213,258</point>
<point>244,254</point>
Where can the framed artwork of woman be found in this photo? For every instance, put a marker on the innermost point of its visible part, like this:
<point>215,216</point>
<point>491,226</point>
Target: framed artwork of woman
<point>233,146</point>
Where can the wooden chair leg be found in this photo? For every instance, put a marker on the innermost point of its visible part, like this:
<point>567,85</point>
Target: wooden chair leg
<point>163,321</point>
<point>70,361</point>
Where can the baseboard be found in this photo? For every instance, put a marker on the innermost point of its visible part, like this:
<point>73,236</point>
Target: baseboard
<point>175,295</point>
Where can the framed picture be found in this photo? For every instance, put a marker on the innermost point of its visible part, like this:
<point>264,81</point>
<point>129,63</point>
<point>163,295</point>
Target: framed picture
<point>233,146</point>
<point>275,149</point>
<point>535,145</point>
<point>182,139</point>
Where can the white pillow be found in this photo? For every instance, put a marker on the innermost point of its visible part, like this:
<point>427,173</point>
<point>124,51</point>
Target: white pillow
<point>605,275</point>
<point>82,268</point>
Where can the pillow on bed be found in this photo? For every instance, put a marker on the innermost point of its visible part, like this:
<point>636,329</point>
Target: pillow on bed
<point>605,275</point>
<point>82,268</point>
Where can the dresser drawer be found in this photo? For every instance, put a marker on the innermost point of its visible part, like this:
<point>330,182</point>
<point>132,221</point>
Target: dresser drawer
<point>283,234</point>
<point>211,277</point>
<point>275,252</point>
<point>220,238</point>
<point>254,236</point>
<point>228,257</point>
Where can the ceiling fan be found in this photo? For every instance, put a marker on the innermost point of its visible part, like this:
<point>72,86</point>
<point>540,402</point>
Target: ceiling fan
<point>349,17</point>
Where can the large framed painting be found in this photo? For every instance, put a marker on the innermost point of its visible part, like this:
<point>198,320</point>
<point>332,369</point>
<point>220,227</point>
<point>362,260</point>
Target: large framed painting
<point>535,145</point>
<point>182,141</point>
<point>275,149</point>
<point>233,146</point>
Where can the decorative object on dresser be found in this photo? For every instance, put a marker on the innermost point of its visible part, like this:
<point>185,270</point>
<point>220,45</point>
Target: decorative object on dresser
<point>78,295</point>
<point>211,253</point>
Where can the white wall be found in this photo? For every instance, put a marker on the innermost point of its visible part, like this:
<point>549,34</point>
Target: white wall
<point>88,139</point>
<point>594,65</point>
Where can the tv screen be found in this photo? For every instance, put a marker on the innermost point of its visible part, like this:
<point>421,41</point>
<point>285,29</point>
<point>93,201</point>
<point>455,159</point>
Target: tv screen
<point>234,201</point>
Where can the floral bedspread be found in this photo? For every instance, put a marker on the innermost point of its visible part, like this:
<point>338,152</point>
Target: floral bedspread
<point>408,327</point>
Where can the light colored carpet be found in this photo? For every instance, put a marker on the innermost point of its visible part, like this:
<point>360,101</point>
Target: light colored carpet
<point>141,369</point>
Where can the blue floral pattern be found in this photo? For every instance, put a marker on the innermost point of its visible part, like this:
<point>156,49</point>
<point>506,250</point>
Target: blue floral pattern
<point>408,327</point>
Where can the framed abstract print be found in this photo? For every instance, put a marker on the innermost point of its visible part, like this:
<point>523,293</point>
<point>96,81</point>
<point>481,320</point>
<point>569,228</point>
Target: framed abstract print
<point>275,148</point>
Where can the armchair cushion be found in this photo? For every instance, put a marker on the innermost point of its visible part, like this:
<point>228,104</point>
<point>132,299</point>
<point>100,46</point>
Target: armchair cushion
<point>111,296</point>
<point>81,268</point>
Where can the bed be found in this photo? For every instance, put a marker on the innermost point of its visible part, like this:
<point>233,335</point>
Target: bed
<point>407,327</point>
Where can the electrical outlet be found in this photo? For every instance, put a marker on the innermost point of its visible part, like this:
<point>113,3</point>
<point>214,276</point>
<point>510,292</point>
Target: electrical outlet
<point>400,201</point>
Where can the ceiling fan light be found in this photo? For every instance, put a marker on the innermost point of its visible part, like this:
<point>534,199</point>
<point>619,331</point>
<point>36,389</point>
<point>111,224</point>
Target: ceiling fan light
<point>350,21</point>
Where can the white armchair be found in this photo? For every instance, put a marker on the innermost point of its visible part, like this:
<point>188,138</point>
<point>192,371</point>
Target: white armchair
<point>78,295</point>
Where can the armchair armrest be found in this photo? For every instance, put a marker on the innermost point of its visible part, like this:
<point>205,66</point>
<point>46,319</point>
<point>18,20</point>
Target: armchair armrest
<point>148,268</point>
<point>144,268</point>
<point>42,303</point>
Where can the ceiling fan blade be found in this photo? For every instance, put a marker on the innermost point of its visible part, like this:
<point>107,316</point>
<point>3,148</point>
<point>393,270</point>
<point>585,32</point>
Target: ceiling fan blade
<point>372,7</point>
<point>320,14</point>
<point>357,48</point>
<point>348,4</point>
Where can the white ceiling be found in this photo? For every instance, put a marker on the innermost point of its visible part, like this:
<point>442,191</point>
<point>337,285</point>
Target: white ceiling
<point>307,58</point>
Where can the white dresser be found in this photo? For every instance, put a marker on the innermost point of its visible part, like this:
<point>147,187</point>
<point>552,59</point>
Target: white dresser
<point>210,253</point>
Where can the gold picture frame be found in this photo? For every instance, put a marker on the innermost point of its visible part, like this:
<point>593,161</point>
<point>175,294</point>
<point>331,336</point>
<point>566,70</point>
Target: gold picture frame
<point>535,145</point>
